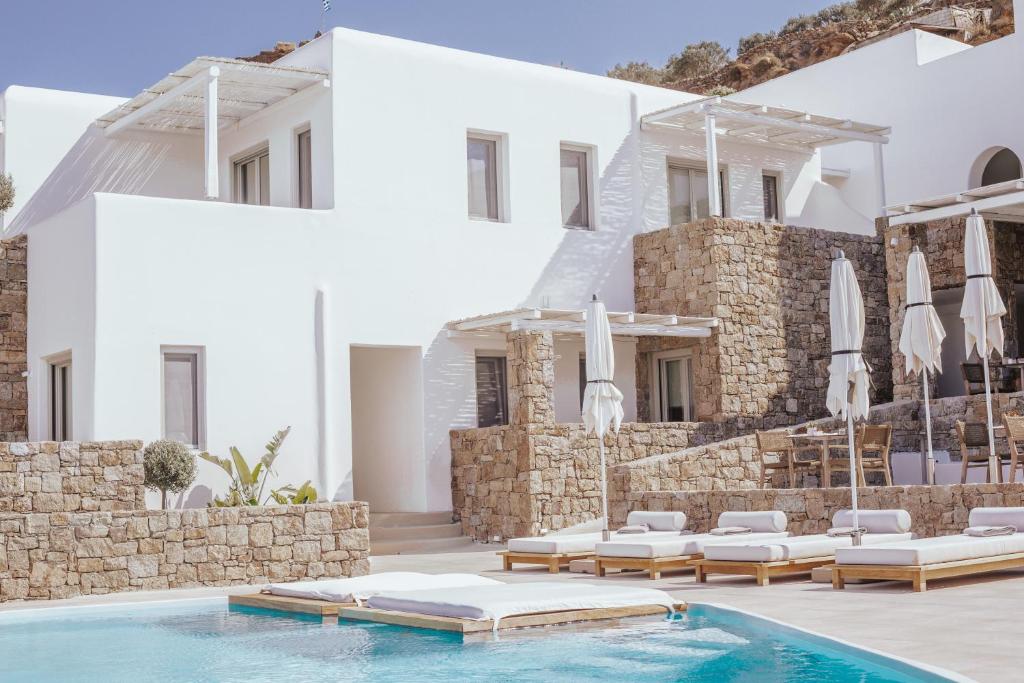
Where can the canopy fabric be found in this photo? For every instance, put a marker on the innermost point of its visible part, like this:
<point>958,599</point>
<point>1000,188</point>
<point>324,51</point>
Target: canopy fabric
<point>848,373</point>
<point>602,401</point>
<point>982,308</point>
<point>922,333</point>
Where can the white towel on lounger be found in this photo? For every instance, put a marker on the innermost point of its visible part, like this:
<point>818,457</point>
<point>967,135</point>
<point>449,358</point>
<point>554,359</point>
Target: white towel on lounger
<point>634,529</point>
<point>730,530</point>
<point>985,531</point>
<point>836,532</point>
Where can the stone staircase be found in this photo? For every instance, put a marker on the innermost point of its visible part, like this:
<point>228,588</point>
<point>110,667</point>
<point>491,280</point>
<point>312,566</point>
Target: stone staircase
<point>416,533</point>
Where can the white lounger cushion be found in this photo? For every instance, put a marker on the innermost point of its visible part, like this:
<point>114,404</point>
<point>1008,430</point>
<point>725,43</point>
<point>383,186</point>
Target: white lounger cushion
<point>796,548</point>
<point>359,588</point>
<point>581,543</point>
<point>997,517</point>
<point>875,521</point>
<point>769,520</point>
<point>496,602</point>
<point>677,545</point>
<point>924,551</point>
<point>658,521</point>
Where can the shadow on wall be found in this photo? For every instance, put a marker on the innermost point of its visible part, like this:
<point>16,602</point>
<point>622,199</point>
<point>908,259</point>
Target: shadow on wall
<point>160,165</point>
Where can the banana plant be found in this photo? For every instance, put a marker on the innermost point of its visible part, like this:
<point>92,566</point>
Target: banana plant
<point>248,483</point>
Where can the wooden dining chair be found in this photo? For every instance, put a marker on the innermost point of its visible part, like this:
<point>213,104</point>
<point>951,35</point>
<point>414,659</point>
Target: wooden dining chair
<point>777,452</point>
<point>1014,435</point>
<point>872,444</point>
<point>973,438</point>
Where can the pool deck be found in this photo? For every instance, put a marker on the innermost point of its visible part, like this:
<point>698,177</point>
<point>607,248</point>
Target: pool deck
<point>965,625</point>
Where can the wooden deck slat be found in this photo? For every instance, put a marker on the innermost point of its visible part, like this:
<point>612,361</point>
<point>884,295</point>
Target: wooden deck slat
<point>761,571</point>
<point>920,574</point>
<point>281,603</point>
<point>652,565</point>
<point>553,561</point>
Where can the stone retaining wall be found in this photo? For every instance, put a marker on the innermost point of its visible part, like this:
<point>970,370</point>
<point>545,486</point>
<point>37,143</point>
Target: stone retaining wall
<point>61,555</point>
<point>934,510</point>
<point>71,476</point>
<point>13,339</point>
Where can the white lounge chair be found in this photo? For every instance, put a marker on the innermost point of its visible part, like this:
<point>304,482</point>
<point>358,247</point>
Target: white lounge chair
<point>655,555</point>
<point>801,554</point>
<point>325,597</point>
<point>511,605</point>
<point>941,557</point>
<point>556,550</point>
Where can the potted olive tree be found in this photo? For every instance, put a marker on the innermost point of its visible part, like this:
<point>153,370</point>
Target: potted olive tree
<point>170,466</point>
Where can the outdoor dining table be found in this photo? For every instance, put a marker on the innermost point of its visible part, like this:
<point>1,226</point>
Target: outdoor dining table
<point>823,440</point>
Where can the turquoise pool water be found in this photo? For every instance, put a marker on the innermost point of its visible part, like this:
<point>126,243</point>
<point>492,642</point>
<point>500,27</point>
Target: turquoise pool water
<point>206,641</point>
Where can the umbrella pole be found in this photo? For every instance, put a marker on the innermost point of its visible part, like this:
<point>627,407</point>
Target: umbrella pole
<point>993,463</point>
<point>930,460</point>
<point>605,534</point>
<point>854,472</point>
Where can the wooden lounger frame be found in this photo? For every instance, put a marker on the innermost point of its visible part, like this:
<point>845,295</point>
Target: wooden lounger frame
<point>761,571</point>
<point>920,574</point>
<point>457,625</point>
<point>553,561</point>
<point>654,566</point>
<point>283,603</point>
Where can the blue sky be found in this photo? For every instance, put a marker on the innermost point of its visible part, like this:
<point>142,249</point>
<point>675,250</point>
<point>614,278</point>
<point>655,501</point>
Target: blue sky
<point>118,47</point>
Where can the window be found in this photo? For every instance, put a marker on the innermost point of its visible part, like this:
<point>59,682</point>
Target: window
<point>770,193</point>
<point>1004,165</point>
<point>60,400</point>
<point>583,378</point>
<point>305,160</point>
<point>491,391</point>
<point>252,179</point>
<point>183,396</point>
<point>674,372</point>
<point>688,193</point>
<point>482,177</point>
<point>575,181</point>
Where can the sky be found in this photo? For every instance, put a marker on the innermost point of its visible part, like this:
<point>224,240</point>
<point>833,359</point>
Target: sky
<point>119,47</point>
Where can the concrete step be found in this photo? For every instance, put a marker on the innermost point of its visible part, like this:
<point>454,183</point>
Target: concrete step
<point>383,519</point>
<point>421,546</point>
<point>400,533</point>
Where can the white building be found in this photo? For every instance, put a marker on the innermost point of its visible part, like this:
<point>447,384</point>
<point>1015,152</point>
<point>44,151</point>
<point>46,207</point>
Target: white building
<point>299,262</point>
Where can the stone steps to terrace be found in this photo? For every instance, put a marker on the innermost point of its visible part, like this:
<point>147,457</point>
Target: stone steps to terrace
<point>403,533</point>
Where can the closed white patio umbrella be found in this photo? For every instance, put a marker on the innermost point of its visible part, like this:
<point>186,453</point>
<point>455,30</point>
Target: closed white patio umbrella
<point>602,402</point>
<point>848,373</point>
<point>982,313</point>
<point>921,340</point>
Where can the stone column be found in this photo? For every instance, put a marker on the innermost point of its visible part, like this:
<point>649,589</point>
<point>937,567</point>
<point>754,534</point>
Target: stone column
<point>531,377</point>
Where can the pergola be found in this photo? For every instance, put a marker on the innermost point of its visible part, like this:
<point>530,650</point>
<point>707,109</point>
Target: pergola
<point>231,92</point>
<point>574,322</point>
<point>1001,202</point>
<point>761,124</point>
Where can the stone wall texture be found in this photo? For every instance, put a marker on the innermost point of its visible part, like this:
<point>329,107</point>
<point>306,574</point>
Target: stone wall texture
<point>934,510</point>
<point>942,242</point>
<point>13,339</point>
<point>71,476</point>
<point>766,364</point>
<point>61,555</point>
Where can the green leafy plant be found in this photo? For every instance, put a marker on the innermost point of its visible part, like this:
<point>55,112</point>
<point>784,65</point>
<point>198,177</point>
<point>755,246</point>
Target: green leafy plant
<point>6,192</point>
<point>169,466</point>
<point>249,482</point>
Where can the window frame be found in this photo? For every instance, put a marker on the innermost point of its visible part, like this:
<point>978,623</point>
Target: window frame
<point>589,177</point>
<point>691,166</point>
<point>777,175</point>
<point>59,366</point>
<point>493,355</point>
<point>199,390</point>
<point>241,160</point>
<point>658,389</point>
<point>299,166</point>
<point>501,182</point>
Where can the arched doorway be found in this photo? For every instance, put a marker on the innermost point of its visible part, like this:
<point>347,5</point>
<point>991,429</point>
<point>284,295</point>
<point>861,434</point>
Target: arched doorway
<point>995,165</point>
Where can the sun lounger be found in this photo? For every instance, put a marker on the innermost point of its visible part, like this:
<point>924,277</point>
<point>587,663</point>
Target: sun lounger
<point>801,554</point>
<point>941,557</point>
<point>325,597</point>
<point>555,551</point>
<point>655,555</point>
<point>481,608</point>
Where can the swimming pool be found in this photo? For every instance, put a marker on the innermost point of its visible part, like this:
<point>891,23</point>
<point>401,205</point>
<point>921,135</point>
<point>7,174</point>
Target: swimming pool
<point>204,640</point>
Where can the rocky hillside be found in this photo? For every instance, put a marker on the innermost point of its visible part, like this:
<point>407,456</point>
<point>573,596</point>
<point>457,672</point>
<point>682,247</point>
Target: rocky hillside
<point>706,68</point>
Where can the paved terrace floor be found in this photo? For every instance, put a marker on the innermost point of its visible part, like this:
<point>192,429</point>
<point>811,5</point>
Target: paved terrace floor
<point>969,625</point>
